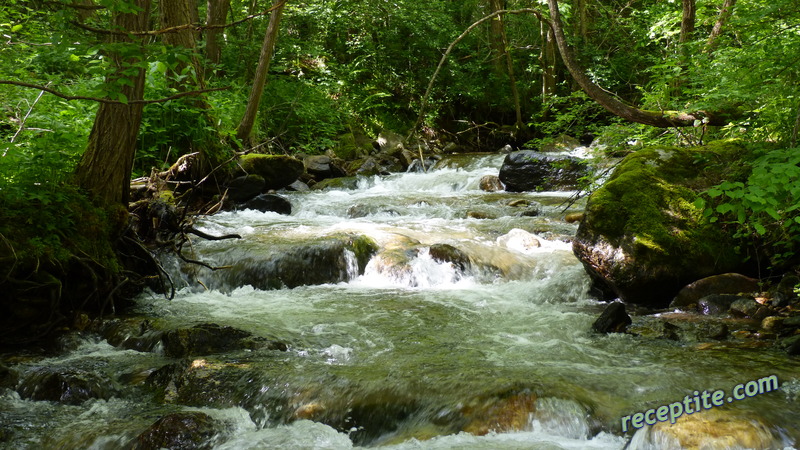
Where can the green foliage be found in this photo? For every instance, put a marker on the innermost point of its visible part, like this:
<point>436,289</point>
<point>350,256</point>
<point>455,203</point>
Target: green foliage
<point>764,208</point>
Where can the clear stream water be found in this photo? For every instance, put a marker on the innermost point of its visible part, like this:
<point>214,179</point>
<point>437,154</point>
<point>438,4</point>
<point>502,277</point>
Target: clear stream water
<point>418,349</point>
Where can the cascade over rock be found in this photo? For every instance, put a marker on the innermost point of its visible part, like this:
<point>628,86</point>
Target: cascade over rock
<point>643,238</point>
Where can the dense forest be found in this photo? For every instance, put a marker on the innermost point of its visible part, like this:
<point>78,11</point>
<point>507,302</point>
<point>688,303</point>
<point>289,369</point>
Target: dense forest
<point>95,93</point>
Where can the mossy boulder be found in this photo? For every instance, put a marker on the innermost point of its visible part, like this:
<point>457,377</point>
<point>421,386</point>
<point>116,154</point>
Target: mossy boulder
<point>643,238</point>
<point>278,170</point>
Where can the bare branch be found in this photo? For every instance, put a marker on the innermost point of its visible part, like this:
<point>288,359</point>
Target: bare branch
<point>105,100</point>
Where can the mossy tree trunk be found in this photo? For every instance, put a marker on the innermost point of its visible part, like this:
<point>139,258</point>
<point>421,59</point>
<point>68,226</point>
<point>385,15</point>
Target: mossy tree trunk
<point>105,167</point>
<point>661,119</point>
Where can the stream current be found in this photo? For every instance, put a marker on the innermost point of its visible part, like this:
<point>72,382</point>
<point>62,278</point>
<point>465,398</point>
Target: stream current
<point>406,351</point>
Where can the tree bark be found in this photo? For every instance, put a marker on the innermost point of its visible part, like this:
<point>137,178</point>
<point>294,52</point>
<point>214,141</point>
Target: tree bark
<point>688,20</point>
<point>175,13</point>
<point>724,14</point>
<point>504,61</point>
<point>547,59</point>
<point>661,119</point>
<point>105,167</point>
<point>245,127</point>
<point>217,12</point>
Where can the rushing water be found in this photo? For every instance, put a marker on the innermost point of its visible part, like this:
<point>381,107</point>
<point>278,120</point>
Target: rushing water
<point>413,352</point>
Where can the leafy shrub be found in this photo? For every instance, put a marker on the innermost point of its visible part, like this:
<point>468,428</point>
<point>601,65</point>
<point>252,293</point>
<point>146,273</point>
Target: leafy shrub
<point>765,207</point>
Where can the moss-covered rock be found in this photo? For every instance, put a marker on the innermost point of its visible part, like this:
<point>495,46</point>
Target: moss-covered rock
<point>643,237</point>
<point>278,170</point>
<point>339,183</point>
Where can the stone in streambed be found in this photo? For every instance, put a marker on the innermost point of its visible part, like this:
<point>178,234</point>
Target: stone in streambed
<point>725,284</point>
<point>644,236</point>
<point>269,203</point>
<point>210,338</point>
<point>450,254</point>
<point>244,188</point>
<point>491,183</point>
<point>708,429</point>
<point>527,170</point>
<point>182,430</point>
<point>278,171</point>
<point>68,386</point>
<point>614,319</point>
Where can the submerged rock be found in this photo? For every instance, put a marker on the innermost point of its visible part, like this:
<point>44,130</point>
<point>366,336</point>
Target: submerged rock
<point>502,412</point>
<point>526,170</point>
<point>331,259</point>
<point>450,254</point>
<point>643,237</point>
<point>614,319</point>
<point>341,183</point>
<point>69,386</point>
<point>182,430</point>
<point>210,338</point>
<point>709,429</point>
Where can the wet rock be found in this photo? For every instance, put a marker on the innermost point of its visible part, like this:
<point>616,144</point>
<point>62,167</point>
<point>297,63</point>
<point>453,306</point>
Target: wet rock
<point>518,203</point>
<point>792,345</point>
<point>204,383</point>
<point>131,333</point>
<point>69,386</point>
<point>747,307</point>
<point>727,283</point>
<point>210,338</point>
<point>613,319</point>
<point>526,170</point>
<point>342,183</point>
<point>245,187</point>
<point>278,171</point>
<point>519,240</point>
<point>269,203</point>
<point>298,186</point>
<point>573,217</point>
<point>792,323</point>
<point>322,167</point>
<point>717,304</point>
<point>643,237</point>
<point>292,264</point>
<point>783,294</point>
<point>8,377</point>
<point>361,210</point>
<point>655,329</point>
<point>184,430</point>
<point>416,166</point>
<point>479,215</point>
<point>772,323</point>
<point>450,254</point>
<point>502,412</point>
<point>365,167</point>
<point>709,429</point>
<point>529,212</point>
<point>491,183</point>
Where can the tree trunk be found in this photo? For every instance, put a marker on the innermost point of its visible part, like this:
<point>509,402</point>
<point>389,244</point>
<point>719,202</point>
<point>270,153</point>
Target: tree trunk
<point>267,48</point>
<point>176,13</point>
<point>662,119</point>
<point>105,167</point>
<point>217,12</point>
<point>582,19</point>
<point>724,14</point>
<point>503,59</point>
<point>688,20</point>
<point>547,58</point>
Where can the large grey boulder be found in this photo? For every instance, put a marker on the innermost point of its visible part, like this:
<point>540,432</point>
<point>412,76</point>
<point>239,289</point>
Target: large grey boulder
<point>527,170</point>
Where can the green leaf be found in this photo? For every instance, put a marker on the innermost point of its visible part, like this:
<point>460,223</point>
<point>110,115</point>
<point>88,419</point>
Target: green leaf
<point>759,228</point>
<point>16,28</point>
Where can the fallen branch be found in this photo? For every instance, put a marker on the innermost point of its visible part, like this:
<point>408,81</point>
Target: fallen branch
<point>105,100</point>
<point>210,237</point>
